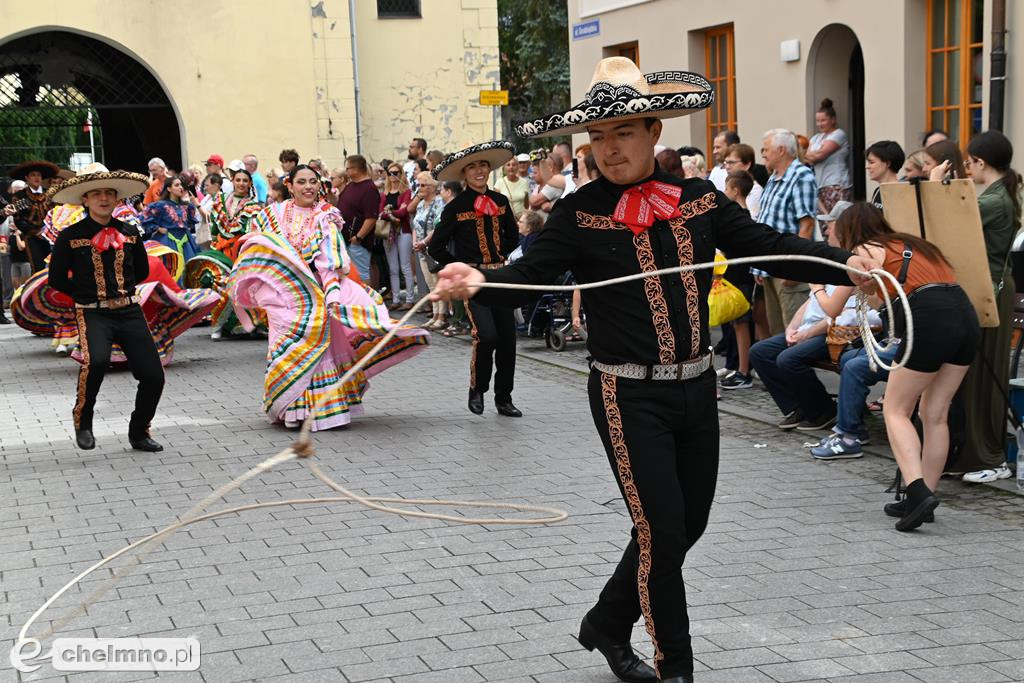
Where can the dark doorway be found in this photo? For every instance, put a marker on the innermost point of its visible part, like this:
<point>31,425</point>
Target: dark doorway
<point>50,84</point>
<point>857,142</point>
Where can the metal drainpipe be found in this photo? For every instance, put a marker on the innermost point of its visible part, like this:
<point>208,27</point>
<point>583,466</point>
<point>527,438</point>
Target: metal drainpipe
<point>997,82</point>
<point>355,71</point>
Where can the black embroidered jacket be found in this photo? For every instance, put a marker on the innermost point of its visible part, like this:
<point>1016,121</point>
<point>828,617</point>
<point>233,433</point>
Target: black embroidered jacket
<point>96,276</point>
<point>656,319</point>
<point>477,239</point>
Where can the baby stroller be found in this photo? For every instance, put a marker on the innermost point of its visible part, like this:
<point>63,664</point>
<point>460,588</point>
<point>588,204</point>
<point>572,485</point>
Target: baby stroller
<point>551,317</point>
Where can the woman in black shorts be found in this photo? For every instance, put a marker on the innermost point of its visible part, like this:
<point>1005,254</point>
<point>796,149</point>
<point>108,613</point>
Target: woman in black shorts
<point>946,337</point>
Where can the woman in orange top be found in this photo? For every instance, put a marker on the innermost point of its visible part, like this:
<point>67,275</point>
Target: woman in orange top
<point>946,337</point>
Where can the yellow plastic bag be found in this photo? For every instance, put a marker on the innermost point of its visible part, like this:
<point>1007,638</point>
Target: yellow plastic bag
<point>725,302</point>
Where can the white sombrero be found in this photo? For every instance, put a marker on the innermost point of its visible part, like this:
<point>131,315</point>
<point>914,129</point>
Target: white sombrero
<point>495,152</point>
<point>619,92</point>
<point>96,177</point>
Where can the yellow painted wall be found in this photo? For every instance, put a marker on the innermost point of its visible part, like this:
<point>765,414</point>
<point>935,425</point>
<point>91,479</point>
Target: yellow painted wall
<point>259,76</point>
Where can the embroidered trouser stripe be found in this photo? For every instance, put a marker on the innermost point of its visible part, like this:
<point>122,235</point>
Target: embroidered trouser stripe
<point>494,346</point>
<point>81,399</point>
<point>661,439</point>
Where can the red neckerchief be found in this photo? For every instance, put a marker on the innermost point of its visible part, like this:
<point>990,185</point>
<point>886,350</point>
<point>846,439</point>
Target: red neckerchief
<point>108,238</point>
<point>642,204</point>
<point>485,206</point>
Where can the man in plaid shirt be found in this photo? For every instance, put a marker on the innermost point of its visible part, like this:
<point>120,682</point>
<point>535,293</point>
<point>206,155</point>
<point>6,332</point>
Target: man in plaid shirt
<point>788,204</point>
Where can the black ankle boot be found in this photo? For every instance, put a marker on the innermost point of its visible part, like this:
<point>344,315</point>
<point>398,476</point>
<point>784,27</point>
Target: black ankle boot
<point>620,656</point>
<point>476,402</point>
<point>920,503</point>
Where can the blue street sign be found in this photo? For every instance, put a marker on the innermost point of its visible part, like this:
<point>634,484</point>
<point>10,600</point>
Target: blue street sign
<point>586,29</point>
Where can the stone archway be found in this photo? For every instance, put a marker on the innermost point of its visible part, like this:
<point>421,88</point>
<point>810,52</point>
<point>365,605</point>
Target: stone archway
<point>835,69</point>
<point>50,83</point>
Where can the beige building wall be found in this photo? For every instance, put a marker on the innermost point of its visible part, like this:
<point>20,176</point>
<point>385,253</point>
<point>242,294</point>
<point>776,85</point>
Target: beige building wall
<point>771,93</point>
<point>259,76</point>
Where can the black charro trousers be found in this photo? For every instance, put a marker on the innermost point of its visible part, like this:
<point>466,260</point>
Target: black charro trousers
<point>494,343</point>
<point>662,442</point>
<point>98,330</point>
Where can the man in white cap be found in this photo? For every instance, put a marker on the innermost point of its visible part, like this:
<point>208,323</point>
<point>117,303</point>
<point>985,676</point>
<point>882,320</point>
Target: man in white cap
<point>97,262</point>
<point>652,384</point>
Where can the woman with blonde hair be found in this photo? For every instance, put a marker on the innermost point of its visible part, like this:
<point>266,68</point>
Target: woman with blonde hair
<point>694,166</point>
<point>394,208</point>
<point>426,207</point>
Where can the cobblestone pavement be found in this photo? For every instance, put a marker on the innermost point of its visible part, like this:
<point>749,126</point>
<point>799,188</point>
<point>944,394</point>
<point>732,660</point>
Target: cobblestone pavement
<point>800,576</point>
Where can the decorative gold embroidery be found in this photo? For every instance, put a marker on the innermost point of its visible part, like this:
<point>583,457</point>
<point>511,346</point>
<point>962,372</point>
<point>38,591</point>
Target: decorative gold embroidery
<point>101,280</point>
<point>130,240</point>
<point>656,299</point>
<point>636,511</point>
<point>79,244</point>
<point>119,271</point>
<point>696,207</point>
<point>466,216</point>
<point>496,232</point>
<point>589,220</point>
<point>83,372</point>
<point>481,236</point>
<point>684,249</point>
<point>476,342</point>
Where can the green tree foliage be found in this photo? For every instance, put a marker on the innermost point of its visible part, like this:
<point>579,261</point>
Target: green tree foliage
<point>533,37</point>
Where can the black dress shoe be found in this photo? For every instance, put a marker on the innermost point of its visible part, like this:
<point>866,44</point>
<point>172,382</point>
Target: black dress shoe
<point>476,402</point>
<point>84,439</point>
<point>145,444</point>
<point>507,409</point>
<point>620,656</point>
<point>4,320</point>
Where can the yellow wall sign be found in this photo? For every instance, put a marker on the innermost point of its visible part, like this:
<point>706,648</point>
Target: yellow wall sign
<point>494,98</point>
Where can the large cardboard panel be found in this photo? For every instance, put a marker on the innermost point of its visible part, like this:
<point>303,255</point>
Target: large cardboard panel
<point>953,223</point>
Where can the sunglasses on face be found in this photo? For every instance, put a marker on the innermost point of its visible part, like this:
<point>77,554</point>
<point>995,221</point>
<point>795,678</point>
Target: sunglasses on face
<point>396,173</point>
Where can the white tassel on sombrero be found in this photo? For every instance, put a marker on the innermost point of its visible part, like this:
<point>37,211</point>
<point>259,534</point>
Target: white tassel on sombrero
<point>96,177</point>
<point>495,152</point>
<point>619,92</point>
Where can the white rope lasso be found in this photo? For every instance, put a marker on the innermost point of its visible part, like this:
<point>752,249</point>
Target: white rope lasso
<point>303,448</point>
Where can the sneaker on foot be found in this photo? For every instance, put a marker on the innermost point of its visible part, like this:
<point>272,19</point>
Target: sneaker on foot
<point>824,421</point>
<point>899,509</point>
<point>984,476</point>
<point>723,372</point>
<point>837,447</point>
<point>792,419</point>
<point>737,380</point>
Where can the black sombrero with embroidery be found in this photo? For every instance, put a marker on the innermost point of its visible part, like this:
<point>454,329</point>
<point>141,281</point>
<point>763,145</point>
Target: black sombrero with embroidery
<point>619,92</point>
<point>495,152</point>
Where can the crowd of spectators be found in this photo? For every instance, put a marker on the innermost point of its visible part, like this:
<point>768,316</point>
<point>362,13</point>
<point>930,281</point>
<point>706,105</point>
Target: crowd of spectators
<point>793,183</point>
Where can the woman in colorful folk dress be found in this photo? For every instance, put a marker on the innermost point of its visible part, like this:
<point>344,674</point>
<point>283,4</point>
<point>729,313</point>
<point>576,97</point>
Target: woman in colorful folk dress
<point>172,220</point>
<point>232,214</point>
<point>321,319</point>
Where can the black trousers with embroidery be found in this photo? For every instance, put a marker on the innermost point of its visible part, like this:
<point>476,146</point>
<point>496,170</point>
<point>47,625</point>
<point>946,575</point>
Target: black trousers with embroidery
<point>98,330</point>
<point>494,345</point>
<point>662,442</point>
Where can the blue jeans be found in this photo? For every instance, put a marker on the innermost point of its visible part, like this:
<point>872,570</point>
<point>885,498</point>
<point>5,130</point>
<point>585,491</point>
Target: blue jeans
<point>855,379</point>
<point>787,373</point>
<point>361,257</point>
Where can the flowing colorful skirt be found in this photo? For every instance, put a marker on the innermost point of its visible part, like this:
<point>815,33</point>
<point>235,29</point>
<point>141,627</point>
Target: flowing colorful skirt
<point>310,349</point>
<point>181,241</point>
<point>211,269</point>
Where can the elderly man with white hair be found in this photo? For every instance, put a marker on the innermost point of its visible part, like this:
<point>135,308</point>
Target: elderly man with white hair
<point>259,183</point>
<point>157,175</point>
<point>788,204</point>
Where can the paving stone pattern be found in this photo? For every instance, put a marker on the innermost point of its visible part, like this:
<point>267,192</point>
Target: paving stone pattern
<point>800,576</point>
